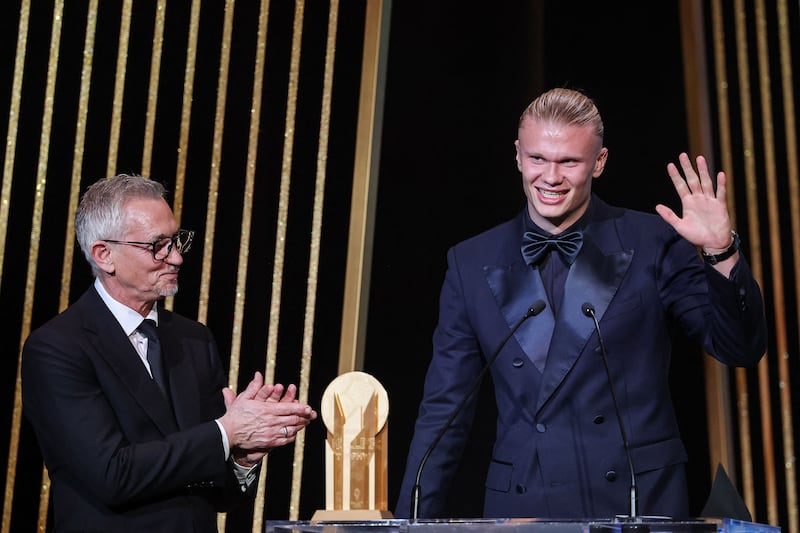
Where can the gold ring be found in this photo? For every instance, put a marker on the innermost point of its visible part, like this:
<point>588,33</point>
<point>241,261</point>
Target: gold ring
<point>285,432</point>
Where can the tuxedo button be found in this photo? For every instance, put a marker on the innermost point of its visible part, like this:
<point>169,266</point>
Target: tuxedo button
<point>517,362</point>
<point>541,428</point>
<point>742,300</point>
<point>521,489</point>
<point>599,419</point>
<point>611,475</point>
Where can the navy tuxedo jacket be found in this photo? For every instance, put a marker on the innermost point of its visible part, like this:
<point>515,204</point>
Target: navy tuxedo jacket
<point>119,457</point>
<point>558,451</point>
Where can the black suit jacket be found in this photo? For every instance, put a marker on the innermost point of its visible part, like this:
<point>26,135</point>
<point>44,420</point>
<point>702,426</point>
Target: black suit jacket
<point>119,457</point>
<point>558,451</point>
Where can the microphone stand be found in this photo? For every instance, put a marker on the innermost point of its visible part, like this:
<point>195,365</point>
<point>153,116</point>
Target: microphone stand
<point>633,523</point>
<point>535,308</point>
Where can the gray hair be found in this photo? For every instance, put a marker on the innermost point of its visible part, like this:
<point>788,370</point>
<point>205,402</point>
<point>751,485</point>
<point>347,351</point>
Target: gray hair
<point>101,213</point>
<point>565,106</point>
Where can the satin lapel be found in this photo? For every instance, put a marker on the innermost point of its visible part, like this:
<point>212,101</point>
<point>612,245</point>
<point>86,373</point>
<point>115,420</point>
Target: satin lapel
<point>594,278</point>
<point>183,383</point>
<point>515,288</point>
<point>116,349</point>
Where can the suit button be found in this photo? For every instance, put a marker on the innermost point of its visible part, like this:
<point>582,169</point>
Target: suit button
<point>517,362</point>
<point>599,419</point>
<point>611,475</point>
<point>521,489</point>
<point>541,428</point>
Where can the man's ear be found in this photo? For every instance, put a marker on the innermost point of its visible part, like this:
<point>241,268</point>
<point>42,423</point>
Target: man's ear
<point>600,162</point>
<point>519,163</point>
<point>101,254</point>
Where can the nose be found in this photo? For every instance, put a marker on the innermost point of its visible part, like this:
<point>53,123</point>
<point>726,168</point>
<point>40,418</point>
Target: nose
<point>174,257</point>
<point>550,173</point>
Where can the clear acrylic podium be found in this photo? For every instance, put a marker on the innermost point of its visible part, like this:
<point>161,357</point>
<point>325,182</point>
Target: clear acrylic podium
<point>521,525</point>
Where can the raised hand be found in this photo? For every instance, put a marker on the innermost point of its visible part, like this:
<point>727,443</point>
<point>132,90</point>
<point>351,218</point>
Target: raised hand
<point>705,221</point>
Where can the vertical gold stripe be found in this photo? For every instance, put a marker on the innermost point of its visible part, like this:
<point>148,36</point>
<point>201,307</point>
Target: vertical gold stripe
<point>776,263</point>
<point>152,96</point>
<point>790,132</point>
<point>11,132</point>
<point>247,210</point>
<point>752,208</point>
<point>119,88</point>
<point>77,155</point>
<point>5,201</point>
<point>283,214</point>
<point>789,90</point>
<point>219,128</point>
<point>152,109</point>
<point>283,195</point>
<point>183,142</point>
<point>724,127</point>
<point>216,157</point>
<point>313,261</point>
<point>75,184</point>
<point>213,184</point>
<point>718,407</point>
<point>33,253</point>
<point>365,185</point>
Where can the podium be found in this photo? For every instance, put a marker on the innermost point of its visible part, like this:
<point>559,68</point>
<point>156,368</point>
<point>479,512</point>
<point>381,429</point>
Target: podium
<point>518,525</point>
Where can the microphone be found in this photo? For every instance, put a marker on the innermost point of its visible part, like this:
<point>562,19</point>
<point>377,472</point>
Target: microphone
<point>535,308</point>
<point>633,503</point>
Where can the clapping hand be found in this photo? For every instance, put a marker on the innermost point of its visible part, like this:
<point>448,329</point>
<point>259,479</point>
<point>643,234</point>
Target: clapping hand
<point>261,418</point>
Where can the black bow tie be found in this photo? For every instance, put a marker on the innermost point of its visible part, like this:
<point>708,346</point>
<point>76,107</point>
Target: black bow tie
<point>535,246</point>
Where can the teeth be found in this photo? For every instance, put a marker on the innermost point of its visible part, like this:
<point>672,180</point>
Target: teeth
<point>551,194</point>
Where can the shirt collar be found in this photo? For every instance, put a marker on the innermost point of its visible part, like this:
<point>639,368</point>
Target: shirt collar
<point>127,317</point>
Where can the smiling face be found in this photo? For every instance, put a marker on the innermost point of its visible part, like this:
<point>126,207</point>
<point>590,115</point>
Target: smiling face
<point>131,274</point>
<point>558,163</point>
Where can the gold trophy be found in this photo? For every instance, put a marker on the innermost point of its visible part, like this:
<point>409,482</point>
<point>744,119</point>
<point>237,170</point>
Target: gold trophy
<point>355,408</point>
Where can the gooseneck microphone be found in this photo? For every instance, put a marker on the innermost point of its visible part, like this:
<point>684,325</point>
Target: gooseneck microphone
<point>633,504</point>
<point>535,308</point>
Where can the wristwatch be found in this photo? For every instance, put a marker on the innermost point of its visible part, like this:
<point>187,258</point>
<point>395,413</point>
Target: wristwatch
<point>732,249</point>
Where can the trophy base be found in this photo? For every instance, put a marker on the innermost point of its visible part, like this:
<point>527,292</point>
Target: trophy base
<point>341,515</point>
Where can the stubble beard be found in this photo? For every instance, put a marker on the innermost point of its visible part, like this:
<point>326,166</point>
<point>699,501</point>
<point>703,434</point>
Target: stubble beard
<point>170,290</point>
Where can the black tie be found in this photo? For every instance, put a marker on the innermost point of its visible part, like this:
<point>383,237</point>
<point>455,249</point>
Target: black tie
<point>535,246</point>
<point>148,329</point>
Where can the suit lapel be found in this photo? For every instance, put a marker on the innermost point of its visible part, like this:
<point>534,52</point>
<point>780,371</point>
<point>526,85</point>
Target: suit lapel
<point>110,341</point>
<point>515,289</point>
<point>594,278</point>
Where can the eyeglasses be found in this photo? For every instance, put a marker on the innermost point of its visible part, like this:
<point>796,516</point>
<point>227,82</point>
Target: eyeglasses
<point>161,248</point>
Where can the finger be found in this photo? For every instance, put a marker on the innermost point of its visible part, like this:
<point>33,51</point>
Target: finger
<point>277,392</point>
<point>253,387</point>
<point>692,181</point>
<point>705,178</point>
<point>287,432</point>
<point>265,392</point>
<point>667,214</point>
<point>228,396</point>
<point>677,180</point>
<point>291,393</point>
<point>722,186</point>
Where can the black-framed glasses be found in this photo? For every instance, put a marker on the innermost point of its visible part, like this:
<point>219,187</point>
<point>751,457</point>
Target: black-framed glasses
<point>161,248</point>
